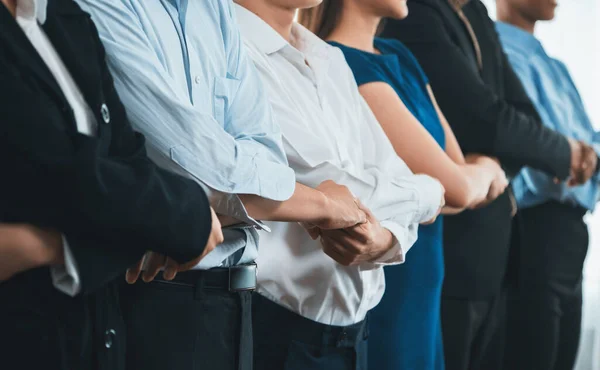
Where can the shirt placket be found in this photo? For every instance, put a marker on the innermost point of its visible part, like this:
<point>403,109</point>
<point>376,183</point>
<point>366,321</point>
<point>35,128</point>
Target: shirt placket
<point>326,109</point>
<point>177,10</point>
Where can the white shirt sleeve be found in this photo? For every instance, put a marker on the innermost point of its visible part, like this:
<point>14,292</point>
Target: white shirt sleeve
<point>66,277</point>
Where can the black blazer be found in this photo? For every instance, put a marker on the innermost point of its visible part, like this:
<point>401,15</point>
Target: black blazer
<point>103,193</point>
<point>491,114</point>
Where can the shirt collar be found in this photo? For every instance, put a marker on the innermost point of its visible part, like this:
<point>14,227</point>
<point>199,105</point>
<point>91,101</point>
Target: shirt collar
<point>269,41</point>
<point>517,37</point>
<point>258,31</point>
<point>458,4</point>
<point>30,10</point>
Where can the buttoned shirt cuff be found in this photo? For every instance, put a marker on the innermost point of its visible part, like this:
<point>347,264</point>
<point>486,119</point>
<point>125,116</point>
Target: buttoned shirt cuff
<point>66,277</point>
<point>429,193</point>
<point>231,205</point>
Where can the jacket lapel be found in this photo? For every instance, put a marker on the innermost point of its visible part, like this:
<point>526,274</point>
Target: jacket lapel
<point>461,34</point>
<point>18,44</point>
<point>69,30</point>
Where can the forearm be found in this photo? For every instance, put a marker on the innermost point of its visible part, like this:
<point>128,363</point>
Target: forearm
<point>24,247</point>
<point>305,205</point>
<point>479,178</point>
<point>450,211</point>
<point>522,141</point>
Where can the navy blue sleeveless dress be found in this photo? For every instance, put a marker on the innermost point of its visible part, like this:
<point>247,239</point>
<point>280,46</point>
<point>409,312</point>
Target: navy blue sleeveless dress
<point>405,328</point>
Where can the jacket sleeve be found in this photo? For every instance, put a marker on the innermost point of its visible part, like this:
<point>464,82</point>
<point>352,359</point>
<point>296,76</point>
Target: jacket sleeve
<point>483,121</point>
<point>112,205</point>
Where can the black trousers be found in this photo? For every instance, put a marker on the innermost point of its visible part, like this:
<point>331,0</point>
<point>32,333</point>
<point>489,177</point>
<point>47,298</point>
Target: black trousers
<point>172,326</point>
<point>284,340</point>
<point>473,332</point>
<point>43,328</point>
<point>544,309</point>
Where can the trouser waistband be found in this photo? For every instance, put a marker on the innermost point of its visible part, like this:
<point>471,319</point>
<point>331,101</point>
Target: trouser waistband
<point>309,331</point>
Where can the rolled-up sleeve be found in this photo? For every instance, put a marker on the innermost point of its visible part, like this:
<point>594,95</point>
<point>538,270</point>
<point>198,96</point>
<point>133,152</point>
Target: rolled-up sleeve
<point>245,161</point>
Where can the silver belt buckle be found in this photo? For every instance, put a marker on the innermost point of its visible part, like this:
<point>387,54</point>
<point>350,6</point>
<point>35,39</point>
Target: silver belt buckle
<point>242,277</point>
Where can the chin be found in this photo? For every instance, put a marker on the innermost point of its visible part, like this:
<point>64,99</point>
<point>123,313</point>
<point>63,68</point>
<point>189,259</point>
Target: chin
<point>548,15</point>
<point>305,4</point>
<point>400,12</point>
<point>549,11</point>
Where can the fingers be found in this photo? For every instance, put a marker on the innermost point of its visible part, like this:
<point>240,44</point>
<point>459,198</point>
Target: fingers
<point>360,233</point>
<point>171,269</point>
<point>133,273</point>
<point>155,263</point>
<point>313,231</point>
<point>336,251</point>
<point>219,238</point>
<point>350,242</point>
<point>369,216</point>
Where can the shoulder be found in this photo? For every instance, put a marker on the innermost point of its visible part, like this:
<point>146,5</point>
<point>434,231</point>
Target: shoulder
<point>354,57</point>
<point>406,58</point>
<point>364,67</point>
<point>399,49</point>
<point>560,65</point>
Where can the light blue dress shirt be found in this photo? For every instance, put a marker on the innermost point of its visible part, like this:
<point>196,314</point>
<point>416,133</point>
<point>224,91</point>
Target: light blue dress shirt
<point>183,75</point>
<point>552,91</point>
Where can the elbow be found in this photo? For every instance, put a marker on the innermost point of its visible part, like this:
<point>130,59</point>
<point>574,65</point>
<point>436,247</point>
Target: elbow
<point>460,196</point>
<point>460,201</point>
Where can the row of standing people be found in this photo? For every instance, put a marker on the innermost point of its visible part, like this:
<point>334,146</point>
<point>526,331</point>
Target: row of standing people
<point>232,129</point>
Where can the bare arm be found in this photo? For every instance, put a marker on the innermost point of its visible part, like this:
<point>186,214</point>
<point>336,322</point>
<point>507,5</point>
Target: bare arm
<point>329,206</point>
<point>464,184</point>
<point>24,247</point>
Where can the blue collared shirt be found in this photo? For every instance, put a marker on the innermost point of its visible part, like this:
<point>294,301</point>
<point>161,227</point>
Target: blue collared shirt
<point>183,75</point>
<point>552,91</point>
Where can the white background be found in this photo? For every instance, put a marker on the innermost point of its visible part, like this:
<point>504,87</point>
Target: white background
<point>574,38</point>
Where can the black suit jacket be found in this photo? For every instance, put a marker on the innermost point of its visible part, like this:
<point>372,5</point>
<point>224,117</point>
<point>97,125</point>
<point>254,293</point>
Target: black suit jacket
<point>103,193</point>
<point>490,113</point>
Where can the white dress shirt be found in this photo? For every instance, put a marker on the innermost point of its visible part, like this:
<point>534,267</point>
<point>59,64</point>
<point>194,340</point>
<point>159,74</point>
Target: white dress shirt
<point>330,133</point>
<point>29,15</point>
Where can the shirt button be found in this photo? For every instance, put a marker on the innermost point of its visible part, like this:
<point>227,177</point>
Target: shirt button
<point>105,113</point>
<point>109,338</point>
<point>342,338</point>
<point>197,80</point>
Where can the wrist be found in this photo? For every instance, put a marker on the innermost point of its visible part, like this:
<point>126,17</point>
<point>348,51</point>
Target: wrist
<point>322,207</point>
<point>386,242</point>
<point>40,247</point>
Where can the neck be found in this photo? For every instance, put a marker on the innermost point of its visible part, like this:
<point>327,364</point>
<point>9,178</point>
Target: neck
<point>280,18</point>
<point>11,5</point>
<point>356,28</point>
<point>512,16</point>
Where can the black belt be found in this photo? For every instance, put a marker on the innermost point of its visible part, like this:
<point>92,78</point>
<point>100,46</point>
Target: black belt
<point>234,279</point>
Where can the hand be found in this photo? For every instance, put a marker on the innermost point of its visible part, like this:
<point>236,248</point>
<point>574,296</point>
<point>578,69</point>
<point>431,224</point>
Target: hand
<point>499,181</point>
<point>441,207</point>
<point>586,168</point>
<point>364,242</point>
<point>25,247</point>
<point>498,185</point>
<point>154,262</point>
<point>576,173</point>
<point>343,209</point>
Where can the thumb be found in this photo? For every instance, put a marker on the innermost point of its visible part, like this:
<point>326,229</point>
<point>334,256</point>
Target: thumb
<point>369,216</point>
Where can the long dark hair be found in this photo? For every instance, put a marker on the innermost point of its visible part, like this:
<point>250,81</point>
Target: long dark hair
<point>324,18</point>
<point>321,19</point>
